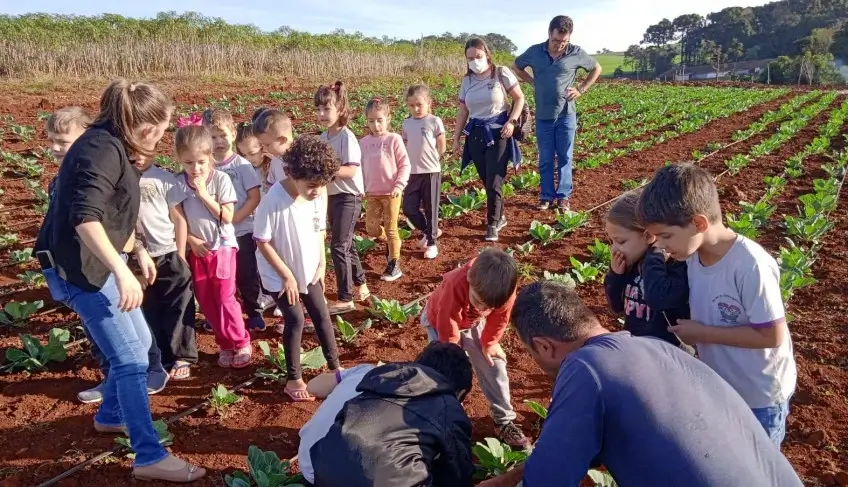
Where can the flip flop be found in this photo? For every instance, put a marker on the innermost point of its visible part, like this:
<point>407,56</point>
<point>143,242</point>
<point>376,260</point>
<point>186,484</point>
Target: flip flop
<point>302,395</point>
<point>181,371</point>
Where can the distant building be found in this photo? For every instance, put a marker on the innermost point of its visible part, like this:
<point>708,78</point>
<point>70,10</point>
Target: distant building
<point>708,72</point>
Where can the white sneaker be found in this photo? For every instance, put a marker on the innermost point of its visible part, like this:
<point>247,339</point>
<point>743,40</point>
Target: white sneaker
<point>432,252</point>
<point>422,244</point>
<point>278,313</point>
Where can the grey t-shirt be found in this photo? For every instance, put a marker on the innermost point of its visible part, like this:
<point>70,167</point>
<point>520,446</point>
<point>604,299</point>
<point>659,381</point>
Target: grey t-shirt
<point>487,97</point>
<point>159,193</point>
<point>349,154</point>
<point>551,78</point>
<point>420,135</point>
<point>201,222</point>
<point>243,176</point>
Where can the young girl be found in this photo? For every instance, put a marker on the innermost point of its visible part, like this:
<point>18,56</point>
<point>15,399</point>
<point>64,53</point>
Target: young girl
<point>385,171</point>
<point>651,290</point>
<point>344,196</point>
<point>424,135</point>
<point>290,231</point>
<point>248,146</point>
<point>209,208</point>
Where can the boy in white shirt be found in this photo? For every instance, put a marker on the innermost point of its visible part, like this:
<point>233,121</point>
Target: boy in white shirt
<point>290,228</point>
<point>738,320</point>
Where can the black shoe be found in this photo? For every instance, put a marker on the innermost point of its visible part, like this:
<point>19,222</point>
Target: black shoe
<point>492,233</point>
<point>392,272</point>
<point>501,224</point>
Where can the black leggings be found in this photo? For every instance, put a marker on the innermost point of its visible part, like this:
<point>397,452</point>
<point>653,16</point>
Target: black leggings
<point>491,163</point>
<point>316,306</point>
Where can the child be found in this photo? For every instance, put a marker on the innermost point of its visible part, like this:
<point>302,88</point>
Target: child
<point>471,307</point>
<point>248,146</point>
<point>651,291</point>
<point>290,229</point>
<point>168,304</point>
<point>210,198</point>
<point>738,322</point>
<point>246,184</point>
<point>424,135</point>
<point>385,171</point>
<point>63,128</point>
<point>344,196</point>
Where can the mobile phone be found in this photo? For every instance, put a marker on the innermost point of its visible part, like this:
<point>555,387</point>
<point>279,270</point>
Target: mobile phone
<point>45,259</point>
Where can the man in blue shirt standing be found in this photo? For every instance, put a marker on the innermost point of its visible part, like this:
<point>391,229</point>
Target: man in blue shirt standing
<point>649,412</point>
<point>554,64</point>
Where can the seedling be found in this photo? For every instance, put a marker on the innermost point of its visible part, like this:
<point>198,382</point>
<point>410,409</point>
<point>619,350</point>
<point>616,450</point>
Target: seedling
<point>630,184</point>
<point>743,225</point>
<point>404,233</point>
<point>496,458</point>
<point>583,271</point>
<point>222,398</point>
<point>392,311</point>
<point>508,190</point>
<point>349,332</point>
<point>537,408</point>
<point>311,360</point>
<point>525,271</point>
<point>601,254</point>
<point>760,211</point>
<point>450,211</point>
<point>34,356</point>
<point>166,438</point>
<point>795,269</point>
<point>469,200</point>
<point>266,470</point>
<point>737,163</point>
<point>16,314</point>
<point>31,278</point>
<point>545,233</point>
<point>529,179</point>
<point>363,244</point>
<point>571,220</point>
<point>561,278</point>
<point>24,132</point>
<point>602,478</point>
<point>43,115</point>
<point>8,239</point>
<point>20,256</point>
<point>810,229</point>
<point>525,249</point>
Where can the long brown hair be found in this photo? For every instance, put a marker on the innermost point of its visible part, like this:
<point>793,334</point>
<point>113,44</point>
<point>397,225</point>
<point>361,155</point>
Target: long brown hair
<point>478,43</point>
<point>334,95</point>
<point>125,105</point>
<point>623,211</point>
<point>245,132</point>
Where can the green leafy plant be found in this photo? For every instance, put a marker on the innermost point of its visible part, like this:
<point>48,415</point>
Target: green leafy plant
<point>266,470</point>
<point>311,360</point>
<point>743,225</point>
<point>602,478</point>
<point>525,271</point>
<point>16,314</point>
<point>496,458</point>
<point>392,311</point>
<point>166,438</point>
<point>630,184</point>
<point>449,211</point>
<point>508,190</point>
<point>537,408</point>
<point>571,220</point>
<point>222,398</point>
<point>809,228</point>
<point>601,254</point>
<point>20,256</point>
<point>583,271</point>
<point>796,265</point>
<point>363,244</point>
<point>545,233</point>
<point>349,332</point>
<point>32,278</point>
<point>561,278</point>
<point>469,200</point>
<point>404,233</point>
<point>737,163</point>
<point>760,211</point>
<point>24,132</point>
<point>525,249</point>
<point>8,239</point>
<point>34,356</point>
<point>528,179</point>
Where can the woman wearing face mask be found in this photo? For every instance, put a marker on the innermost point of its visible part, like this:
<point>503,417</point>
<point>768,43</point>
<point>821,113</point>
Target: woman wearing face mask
<point>488,123</point>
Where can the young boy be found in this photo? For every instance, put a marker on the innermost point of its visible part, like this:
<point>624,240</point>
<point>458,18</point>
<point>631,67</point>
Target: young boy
<point>63,128</point>
<point>471,307</point>
<point>290,228</point>
<point>168,304</point>
<point>738,322</point>
<point>422,423</point>
<point>247,186</point>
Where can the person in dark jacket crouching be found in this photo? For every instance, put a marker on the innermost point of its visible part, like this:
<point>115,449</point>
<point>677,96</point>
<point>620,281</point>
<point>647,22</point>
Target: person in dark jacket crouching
<point>404,427</point>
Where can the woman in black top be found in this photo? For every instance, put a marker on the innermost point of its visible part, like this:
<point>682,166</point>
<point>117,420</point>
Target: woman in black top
<point>81,248</point>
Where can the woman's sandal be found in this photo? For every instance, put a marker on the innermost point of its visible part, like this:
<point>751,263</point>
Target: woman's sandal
<point>189,473</point>
<point>242,357</point>
<point>299,395</point>
<point>181,371</point>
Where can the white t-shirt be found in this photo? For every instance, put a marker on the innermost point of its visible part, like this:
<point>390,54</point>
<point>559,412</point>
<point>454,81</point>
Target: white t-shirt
<point>317,427</point>
<point>276,173</point>
<point>487,97</point>
<point>243,176</point>
<point>347,149</point>
<point>201,222</point>
<point>420,135</point>
<point>294,230</point>
<point>743,288</point>
<point>159,193</point>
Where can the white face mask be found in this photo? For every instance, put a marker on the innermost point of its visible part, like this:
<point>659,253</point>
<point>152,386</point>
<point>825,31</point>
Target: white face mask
<point>478,65</point>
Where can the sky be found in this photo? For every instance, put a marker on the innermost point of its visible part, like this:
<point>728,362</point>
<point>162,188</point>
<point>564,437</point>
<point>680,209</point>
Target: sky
<point>598,24</point>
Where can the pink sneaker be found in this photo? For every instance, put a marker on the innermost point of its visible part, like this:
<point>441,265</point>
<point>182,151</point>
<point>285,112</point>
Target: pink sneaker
<point>242,357</point>
<point>225,358</point>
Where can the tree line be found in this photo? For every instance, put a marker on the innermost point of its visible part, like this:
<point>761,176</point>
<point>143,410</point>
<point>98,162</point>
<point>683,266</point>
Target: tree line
<point>805,36</point>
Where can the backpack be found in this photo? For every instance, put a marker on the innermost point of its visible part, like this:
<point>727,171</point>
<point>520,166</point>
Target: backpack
<point>523,126</point>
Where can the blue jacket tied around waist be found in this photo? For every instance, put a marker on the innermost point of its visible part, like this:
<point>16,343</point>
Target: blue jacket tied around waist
<point>486,125</point>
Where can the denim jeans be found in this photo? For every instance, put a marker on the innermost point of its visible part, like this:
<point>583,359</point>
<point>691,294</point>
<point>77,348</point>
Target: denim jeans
<point>773,419</point>
<point>556,138</point>
<point>124,339</point>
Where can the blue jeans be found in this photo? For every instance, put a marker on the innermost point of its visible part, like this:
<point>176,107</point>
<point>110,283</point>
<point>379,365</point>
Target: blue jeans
<point>124,339</point>
<point>773,419</point>
<point>556,138</point>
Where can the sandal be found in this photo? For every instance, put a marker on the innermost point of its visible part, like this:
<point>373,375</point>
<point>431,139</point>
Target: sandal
<point>242,357</point>
<point>341,307</point>
<point>188,473</point>
<point>225,359</point>
<point>181,371</point>
<point>299,395</point>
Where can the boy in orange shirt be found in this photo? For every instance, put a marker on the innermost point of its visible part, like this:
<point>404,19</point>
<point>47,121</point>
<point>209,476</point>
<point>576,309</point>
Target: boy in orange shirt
<point>471,308</point>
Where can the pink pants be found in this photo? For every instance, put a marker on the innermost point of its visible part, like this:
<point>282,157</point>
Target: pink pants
<point>215,288</point>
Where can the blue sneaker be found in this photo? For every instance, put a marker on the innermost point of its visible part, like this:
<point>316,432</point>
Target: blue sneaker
<point>256,323</point>
<point>93,395</point>
<point>156,381</point>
